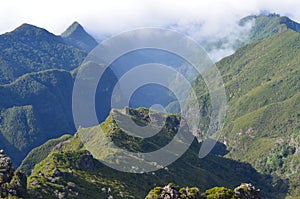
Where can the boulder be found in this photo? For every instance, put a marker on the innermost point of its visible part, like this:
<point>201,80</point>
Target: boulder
<point>13,184</point>
<point>247,191</point>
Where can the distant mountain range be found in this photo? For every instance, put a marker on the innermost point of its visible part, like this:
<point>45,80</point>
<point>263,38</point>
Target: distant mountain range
<point>37,71</point>
<point>31,49</point>
<point>37,80</point>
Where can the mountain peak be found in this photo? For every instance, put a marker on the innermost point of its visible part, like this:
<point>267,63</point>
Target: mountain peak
<point>26,28</point>
<point>27,25</point>
<point>29,34</point>
<point>74,28</point>
<point>266,25</point>
<point>76,35</point>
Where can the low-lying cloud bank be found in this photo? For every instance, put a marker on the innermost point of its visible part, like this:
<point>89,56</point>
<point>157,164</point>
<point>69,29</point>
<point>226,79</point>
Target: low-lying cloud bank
<point>205,21</point>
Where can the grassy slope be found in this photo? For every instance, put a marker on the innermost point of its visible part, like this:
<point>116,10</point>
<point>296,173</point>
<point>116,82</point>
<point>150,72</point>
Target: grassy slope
<point>262,86</point>
<point>32,90</point>
<point>267,25</point>
<point>189,170</point>
<point>32,49</point>
<point>39,153</point>
<point>34,108</point>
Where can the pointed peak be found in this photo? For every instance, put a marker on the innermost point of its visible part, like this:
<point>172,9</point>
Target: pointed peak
<point>75,27</point>
<point>78,37</point>
<point>75,23</point>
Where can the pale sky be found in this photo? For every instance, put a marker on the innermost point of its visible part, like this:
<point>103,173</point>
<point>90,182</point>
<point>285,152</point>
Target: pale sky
<point>218,18</point>
<point>113,16</point>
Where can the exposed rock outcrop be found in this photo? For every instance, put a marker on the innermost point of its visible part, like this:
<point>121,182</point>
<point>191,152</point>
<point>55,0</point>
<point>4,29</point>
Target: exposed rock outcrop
<point>171,191</point>
<point>12,183</point>
<point>247,191</point>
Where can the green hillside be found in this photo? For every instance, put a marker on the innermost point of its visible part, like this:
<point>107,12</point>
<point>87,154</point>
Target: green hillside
<point>255,28</point>
<point>39,153</point>
<point>72,171</point>
<point>267,25</point>
<point>28,99</point>
<point>34,108</point>
<point>261,129</point>
<point>31,49</point>
<point>36,82</point>
<point>263,92</point>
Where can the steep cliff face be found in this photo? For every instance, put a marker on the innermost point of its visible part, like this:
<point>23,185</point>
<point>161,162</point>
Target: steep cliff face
<point>12,183</point>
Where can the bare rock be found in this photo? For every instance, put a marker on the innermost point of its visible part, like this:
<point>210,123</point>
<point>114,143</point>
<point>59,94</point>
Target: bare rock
<point>247,191</point>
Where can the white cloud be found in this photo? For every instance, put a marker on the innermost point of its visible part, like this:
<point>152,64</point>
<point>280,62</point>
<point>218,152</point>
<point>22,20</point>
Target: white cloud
<point>118,15</point>
<point>99,17</point>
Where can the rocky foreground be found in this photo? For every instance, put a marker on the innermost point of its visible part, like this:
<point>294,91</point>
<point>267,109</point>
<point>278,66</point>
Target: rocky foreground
<point>171,191</point>
<point>12,183</point>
